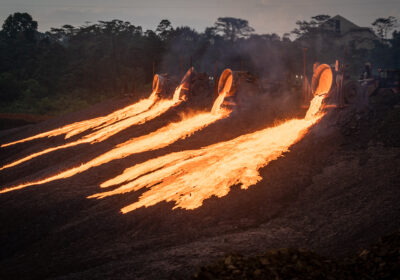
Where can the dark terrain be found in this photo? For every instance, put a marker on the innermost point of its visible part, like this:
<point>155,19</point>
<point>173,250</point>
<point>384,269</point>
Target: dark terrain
<point>335,192</point>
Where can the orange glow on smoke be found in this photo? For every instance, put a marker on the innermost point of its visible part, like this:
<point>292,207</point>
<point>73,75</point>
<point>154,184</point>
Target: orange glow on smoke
<point>155,140</point>
<point>190,177</point>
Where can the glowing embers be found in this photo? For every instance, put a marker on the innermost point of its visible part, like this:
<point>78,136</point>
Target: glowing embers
<point>190,177</point>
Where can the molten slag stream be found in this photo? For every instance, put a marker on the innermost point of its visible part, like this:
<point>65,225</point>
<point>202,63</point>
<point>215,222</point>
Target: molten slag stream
<point>190,177</point>
<point>106,132</point>
<point>225,91</point>
<point>155,140</point>
<point>218,102</point>
<point>119,115</point>
<point>79,127</point>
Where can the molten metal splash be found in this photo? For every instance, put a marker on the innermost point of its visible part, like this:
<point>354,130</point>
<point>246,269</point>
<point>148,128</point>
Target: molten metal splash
<point>155,140</point>
<point>190,177</point>
<point>79,127</point>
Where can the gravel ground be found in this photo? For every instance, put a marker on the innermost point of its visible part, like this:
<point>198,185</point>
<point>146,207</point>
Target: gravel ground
<point>334,193</point>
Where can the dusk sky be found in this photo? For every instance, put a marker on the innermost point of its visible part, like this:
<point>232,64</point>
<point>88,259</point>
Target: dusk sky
<point>266,16</point>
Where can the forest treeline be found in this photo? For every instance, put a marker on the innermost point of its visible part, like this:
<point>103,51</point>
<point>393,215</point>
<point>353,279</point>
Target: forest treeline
<point>68,68</point>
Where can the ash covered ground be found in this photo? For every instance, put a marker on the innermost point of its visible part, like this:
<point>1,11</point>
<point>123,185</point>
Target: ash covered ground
<point>336,191</point>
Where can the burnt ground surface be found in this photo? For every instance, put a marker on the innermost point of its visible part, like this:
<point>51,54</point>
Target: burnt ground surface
<point>336,191</point>
<point>8,121</point>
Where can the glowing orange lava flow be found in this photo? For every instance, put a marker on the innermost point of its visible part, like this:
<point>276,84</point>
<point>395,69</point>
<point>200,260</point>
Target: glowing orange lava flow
<point>104,133</point>
<point>155,140</point>
<point>190,177</point>
<point>79,127</point>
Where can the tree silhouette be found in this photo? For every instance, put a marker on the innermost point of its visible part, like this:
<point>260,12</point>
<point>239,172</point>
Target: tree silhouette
<point>20,24</point>
<point>164,29</point>
<point>70,67</point>
<point>384,25</point>
<point>309,27</point>
<point>233,28</point>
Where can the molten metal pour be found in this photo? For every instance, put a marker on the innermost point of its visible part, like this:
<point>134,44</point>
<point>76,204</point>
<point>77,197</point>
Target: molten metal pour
<point>110,125</point>
<point>79,127</point>
<point>190,177</point>
<point>155,140</point>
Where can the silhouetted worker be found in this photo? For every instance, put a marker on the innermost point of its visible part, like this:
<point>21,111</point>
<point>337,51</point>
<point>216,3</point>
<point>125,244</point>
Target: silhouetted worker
<point>366,81</point>
<point>367,73</point>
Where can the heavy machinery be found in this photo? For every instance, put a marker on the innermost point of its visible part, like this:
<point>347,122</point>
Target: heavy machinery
<point>196,85</point>
<point>164,85</point>
<point>346,91</point>
<point>193,84</point>
<point>239,87</point>
<point>389,79</point>
<point>341,90</point>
